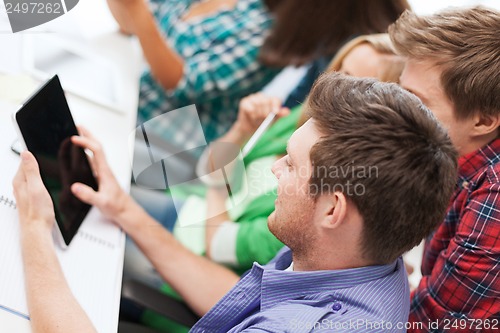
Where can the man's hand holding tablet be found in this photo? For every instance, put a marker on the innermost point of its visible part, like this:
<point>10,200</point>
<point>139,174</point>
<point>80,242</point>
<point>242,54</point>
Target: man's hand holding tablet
<point>45,127</point>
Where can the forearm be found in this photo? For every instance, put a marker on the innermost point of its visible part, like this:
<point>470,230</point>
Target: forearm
<point>222,153</point>
<point>51,304</point>
<point>200,282</point>
<point>235,135</point>
<point>166,65</point>
<point>216,215</point>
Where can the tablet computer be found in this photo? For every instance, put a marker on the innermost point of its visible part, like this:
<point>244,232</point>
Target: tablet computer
<point>45,127</point>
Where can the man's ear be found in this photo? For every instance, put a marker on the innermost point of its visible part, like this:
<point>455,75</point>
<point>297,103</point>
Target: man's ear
<point>335,208</point>
<point>485,124</point>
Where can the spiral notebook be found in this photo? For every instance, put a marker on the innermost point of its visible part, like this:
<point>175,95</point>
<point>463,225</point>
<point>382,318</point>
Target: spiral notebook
<point>92,264</point>
<point>88,265</point>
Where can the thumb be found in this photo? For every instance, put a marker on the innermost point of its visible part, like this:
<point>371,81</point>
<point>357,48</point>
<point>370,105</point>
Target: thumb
<point>31,170</point>
<point>85,193</point>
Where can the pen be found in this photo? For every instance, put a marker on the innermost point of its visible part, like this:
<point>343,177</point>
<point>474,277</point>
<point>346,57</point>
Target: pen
<point>258,133</point>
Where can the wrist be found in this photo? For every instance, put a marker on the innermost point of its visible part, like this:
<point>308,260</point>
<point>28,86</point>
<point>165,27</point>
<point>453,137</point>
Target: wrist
<point>132,218</point>
<point>36,229</point>
<point>217,192</point>
<point>124,207</point>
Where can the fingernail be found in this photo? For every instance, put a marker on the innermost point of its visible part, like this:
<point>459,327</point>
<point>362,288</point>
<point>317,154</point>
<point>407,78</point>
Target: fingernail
<point>76,188</point>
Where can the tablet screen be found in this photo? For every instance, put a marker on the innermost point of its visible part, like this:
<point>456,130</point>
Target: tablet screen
<point>46,125</point>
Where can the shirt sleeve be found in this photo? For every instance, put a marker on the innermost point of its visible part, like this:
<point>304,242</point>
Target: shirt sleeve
<point>465,282</point>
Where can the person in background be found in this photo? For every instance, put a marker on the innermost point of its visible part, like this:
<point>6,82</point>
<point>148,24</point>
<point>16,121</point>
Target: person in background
<point>453,65</point>
<point>240,236</point>
<point>345,231</point>
<point>212,53</point>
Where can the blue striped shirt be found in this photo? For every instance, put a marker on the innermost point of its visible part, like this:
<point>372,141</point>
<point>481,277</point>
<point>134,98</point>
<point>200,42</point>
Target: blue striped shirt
<point>270,299</point>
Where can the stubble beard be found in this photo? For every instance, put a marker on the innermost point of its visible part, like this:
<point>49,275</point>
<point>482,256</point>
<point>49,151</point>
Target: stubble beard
<point>295,229</point>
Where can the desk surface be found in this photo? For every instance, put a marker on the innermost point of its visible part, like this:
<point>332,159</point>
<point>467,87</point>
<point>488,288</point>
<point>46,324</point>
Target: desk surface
<point>110,127</point>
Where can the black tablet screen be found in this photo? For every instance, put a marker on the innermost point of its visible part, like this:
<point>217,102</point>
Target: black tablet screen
<point>46,125</point>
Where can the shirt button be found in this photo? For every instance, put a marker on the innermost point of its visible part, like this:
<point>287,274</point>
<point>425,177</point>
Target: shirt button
<point>336,306</point>
<point>465,185</point>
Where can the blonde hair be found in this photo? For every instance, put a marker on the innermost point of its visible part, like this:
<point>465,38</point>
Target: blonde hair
<point>465,45</point>
<point>390,67</point>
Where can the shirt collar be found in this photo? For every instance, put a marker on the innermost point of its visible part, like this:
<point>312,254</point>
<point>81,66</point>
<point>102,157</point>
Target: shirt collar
<point>279,285</point>
<point>469,165</point>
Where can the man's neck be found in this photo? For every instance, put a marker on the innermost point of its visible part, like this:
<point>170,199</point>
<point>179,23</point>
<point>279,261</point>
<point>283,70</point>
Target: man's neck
<point>477,143</point>
<point>335,259</point>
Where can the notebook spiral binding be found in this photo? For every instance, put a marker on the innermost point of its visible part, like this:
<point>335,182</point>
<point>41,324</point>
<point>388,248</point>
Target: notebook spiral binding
<point>95,239</point>
<point>6,201</point>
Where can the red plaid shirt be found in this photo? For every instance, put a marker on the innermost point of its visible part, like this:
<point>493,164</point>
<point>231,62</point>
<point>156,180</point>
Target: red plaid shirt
<point>460,288</point>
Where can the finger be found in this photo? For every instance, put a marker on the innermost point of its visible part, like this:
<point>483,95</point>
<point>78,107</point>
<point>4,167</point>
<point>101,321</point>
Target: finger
<point>255,116</point>
<point>93,165</point>
<point>283,112</point>
<point>269,107</point>
<point>276,104</point>
<point>101,166</point>
<point>244,101</point>
<point>263,111</point>
<point>85,193</point>
<point>246,105</point>
<point>85,132</point>
<point>78,158</point>
<point>259,110</point>
<point>31,170</point>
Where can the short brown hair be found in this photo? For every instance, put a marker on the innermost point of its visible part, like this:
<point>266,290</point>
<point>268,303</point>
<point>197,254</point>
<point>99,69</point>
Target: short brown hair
<point>465,43</point>
<point>367,124</point>
<point>305,30</point>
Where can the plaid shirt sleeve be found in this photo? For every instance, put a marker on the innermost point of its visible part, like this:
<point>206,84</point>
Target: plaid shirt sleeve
<point>464,282</point>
